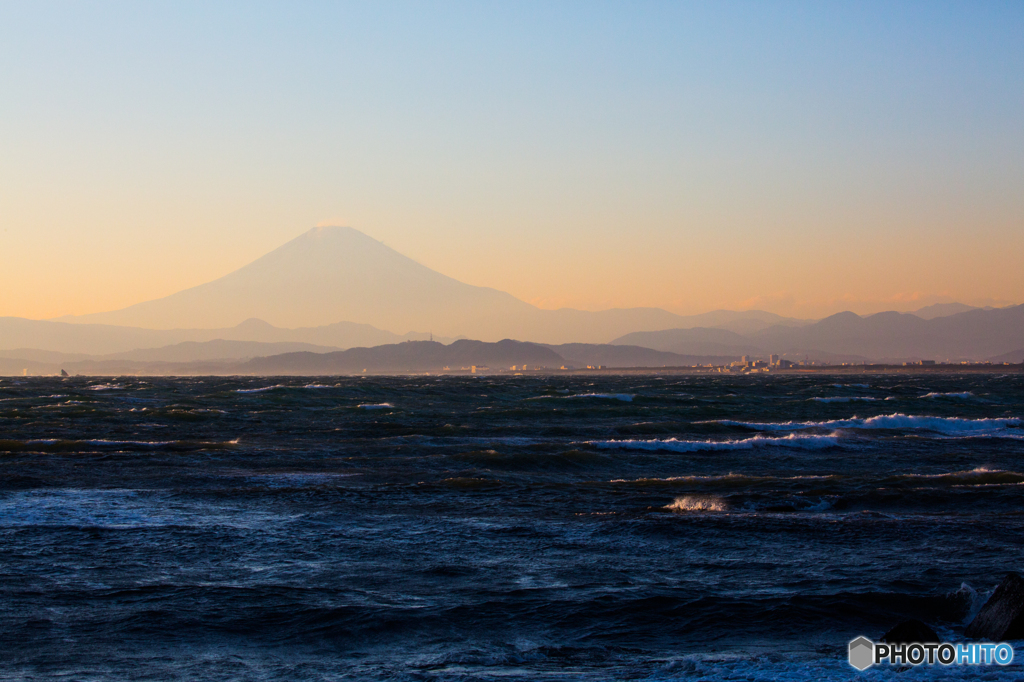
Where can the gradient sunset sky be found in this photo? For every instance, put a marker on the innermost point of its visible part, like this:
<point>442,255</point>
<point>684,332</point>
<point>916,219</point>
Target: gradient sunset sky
<point>802,158</point>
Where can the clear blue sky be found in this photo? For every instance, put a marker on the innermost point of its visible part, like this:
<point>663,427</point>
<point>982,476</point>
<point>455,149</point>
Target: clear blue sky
<point>798,157</point>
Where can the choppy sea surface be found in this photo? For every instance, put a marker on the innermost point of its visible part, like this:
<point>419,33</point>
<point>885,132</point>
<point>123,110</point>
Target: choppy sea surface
<point>485,528</point>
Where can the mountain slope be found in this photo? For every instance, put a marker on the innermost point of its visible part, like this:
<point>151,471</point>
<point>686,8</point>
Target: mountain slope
<point>1016,356</point>
<point>337,274</point>
<point>102,339</point>
<point>217,349</point>
<point>324,276</point>
<point>973,335</point>
<point>930,312</point>
<point>583,354</point>
<point>741,322</point>
<point>696,341</point>
<point>976,334</point>
<point>411,356</point>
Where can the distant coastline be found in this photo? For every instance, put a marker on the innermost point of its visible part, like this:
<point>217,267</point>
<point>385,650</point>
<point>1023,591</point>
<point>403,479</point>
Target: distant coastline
<point>233,369</point>
<point>464,357</point>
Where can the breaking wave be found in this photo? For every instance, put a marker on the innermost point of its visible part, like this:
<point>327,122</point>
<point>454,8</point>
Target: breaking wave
<point>730,479</point>
<point>676,445</point>
<point>945,425</point>
<point>974,477</point>
<point>966,395</point>
<point>58,445</point>
<point>375,406</point>
<point>698,503</point>
<point>841,399</point>
<point>259,390</point>
<point>625,397</point>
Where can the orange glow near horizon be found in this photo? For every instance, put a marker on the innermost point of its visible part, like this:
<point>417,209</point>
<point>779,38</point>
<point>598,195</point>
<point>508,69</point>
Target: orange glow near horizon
<point>802,161</point>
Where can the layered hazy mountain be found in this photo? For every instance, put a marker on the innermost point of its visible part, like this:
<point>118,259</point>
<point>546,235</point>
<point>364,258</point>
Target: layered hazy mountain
<point>333,289</point>
<point>257,335</point>
<point>286,358</point>
<point>976,334</point>
<point>334,274</point>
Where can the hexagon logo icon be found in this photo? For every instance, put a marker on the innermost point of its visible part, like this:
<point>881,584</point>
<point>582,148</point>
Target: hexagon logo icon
<point>862,653</point>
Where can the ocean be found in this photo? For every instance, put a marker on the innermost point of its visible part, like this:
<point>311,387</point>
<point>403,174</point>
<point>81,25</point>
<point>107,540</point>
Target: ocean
<point>493,528</point>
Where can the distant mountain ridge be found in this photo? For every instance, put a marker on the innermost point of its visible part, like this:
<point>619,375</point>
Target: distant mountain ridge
<point>428,356</point>
<point>336,288</point>
<point>191,358</point>
<point>102,339</point>
<point>976,334</point>
<point>408,356</point>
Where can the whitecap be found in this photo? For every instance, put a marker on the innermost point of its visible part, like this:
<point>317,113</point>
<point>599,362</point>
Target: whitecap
<point>730,478</point>
<point>979,476</point>
<point>258,390</point>
<point>841,399</point>
<point>625,397</point>
<point>945,425</point>
<point>966,395</point>
<point>698,503</point>
<point>675,445</point>
<point>136,443</point>
<point>375,406</point>
<point>104,387</point>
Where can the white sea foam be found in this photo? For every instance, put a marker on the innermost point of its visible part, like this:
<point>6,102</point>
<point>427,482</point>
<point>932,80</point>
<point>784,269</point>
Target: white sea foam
<point>317,386</point>
<point>136,443</point>
<point>375,406</point>
<point>698,503</point>
<point>258,390</point>
<point>730,478</point>
<point>973,599</point>
<point>842,399</point>
<point>104,387</point>
<point>675,445</point>
<point>979,476</point>
<point>966,395</point>
<point>101,442</point>
<point>625,397</point>
<point>945,425</point>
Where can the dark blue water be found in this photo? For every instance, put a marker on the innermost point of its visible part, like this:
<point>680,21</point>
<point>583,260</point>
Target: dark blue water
<point>493,528</point>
